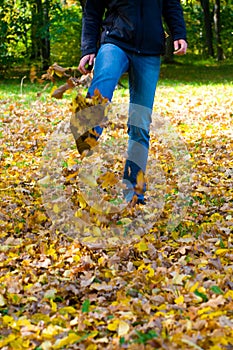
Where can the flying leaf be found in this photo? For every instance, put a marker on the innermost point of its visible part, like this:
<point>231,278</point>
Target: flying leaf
<point>139,188</point>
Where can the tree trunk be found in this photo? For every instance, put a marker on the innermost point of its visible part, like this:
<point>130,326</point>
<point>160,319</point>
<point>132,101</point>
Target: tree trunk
<point>208,27</point>
<point>217,27</point>
<point>40,32</point>
<point>45,40</point>
<point>82,3</point>
<point>169,49</point>
<point>35,46</point>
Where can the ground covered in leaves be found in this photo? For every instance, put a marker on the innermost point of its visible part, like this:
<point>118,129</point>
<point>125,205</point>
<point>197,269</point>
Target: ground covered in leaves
<point>168,290</point>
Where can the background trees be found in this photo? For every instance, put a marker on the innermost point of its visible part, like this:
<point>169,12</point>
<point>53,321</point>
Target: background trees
<point>39,31</point>
<point>209,27</point>
<point>44,31</point>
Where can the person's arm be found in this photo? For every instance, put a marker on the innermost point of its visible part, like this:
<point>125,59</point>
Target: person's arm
<point>180,47</point>
<point>86,63</point>
<point>91,26</point>
<point>173,15</point>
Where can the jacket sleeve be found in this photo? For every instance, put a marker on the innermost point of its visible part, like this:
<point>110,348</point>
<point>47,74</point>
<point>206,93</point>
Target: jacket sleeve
<point>173,15</point>
<point>91,26</point>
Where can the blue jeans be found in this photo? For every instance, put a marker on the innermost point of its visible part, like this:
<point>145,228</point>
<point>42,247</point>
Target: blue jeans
<point>143,71</point>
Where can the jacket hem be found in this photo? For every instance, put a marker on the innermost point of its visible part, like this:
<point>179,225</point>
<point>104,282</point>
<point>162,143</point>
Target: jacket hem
<point>131,49</point>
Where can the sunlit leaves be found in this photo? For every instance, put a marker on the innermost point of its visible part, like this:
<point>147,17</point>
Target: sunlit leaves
<point>165,291</point>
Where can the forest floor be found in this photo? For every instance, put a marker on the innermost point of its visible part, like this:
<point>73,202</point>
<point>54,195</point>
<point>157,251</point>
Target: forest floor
<point>159,283</point>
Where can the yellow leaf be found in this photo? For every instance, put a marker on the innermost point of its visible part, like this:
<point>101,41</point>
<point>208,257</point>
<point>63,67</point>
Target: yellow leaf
<point>51,331</point>
<point>160,313</point>
<point>23,322</point>
<point>29,286</point>
<point>212,315</point>
<point>113,325</point>
<point>215,347</point>
<point>228,294</point>
<point>194,287</point>
<point>53,89</point>
<point>126,221</point>
<point>82,202</point>
<point>88,179</point>
<point>40,317</point>
<point>70,339</point>
<point>96,231</point>
<point>179,300</point>
<point>53,305</point>
<point>151,272</point>
<point>108,274</point>
<point>73,175</point>
<point>221,251</point>
<point>7,340</point>
<point>141,246</point>
<point>2,300</point>
<point>215,217</point>
<point>40,217</point>
<point>101,260</point>
<point>59,74</point>
<point>20,344</point>
<point>51,251</point>
<point>25,343</point>
<point>46,345</point>
<point>204,310</point>
<point>191,344</point>
<point>7,319</point>
<point>140,182</point>
<point>56,209</point>
<point>92,347</point>
<point>67,310</point>
<point>107,179</point>
<point>142,267</point>
<point>93,334</point>
<point>15,345</point>
<point>90,239</point>
<point>123,328</point>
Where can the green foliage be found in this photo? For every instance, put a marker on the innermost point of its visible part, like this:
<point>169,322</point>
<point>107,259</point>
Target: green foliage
<point>226,32</point>
<point>194,25</point>
<point>86,306</point>
<point>194,19</point>
<point>14,25</point>
<point>66,35</point>
<point>18,21</point>
<point>144,337</point>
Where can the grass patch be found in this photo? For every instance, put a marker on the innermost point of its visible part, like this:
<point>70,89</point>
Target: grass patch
<point>196,71</point>
<point>186,70</point>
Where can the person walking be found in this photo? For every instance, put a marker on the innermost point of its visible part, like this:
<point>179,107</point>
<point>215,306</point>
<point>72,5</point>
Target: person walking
<point>121,36</point>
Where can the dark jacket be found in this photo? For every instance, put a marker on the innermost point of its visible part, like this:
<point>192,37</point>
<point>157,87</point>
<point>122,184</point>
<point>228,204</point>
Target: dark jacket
<point>134,25</point>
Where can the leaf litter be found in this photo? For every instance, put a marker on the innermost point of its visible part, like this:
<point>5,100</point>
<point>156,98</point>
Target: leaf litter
<point>166,290</point>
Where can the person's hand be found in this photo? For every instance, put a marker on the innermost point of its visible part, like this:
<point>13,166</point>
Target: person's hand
<point>85,62</point>
<point>180,47</point>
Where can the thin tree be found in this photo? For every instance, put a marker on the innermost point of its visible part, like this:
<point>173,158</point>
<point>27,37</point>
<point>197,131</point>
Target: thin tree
<point>217,27</point>
<point>40,35</point>
<point>208,27</point>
